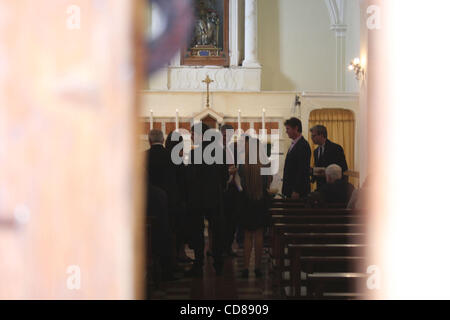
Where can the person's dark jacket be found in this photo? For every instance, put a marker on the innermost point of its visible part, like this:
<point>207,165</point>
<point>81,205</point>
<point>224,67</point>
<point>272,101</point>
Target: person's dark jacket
<point>339,191</point>
<point>158,217</point>
<point>332,154</point>
<point>160,172</point>
<point>297,169</point>
<point>205,183</point>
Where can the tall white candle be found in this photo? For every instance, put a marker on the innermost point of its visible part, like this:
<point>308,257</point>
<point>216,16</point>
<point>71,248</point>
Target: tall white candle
<point>176,120</point>
<point>151,119</point>
<point>264,119</point>
<point>239,119</point>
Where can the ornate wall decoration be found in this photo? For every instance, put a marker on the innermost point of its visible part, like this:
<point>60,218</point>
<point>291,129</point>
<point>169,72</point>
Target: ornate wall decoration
<point>209,43</point>
<point>225,79</point>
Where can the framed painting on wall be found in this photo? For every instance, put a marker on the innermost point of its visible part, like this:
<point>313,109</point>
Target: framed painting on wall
<point>209,42</point>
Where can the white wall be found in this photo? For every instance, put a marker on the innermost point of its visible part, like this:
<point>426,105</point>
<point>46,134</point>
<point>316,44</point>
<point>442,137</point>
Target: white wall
<point>297,49</point>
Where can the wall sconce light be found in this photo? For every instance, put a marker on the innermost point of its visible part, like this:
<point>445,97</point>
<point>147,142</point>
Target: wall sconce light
<point>298,103</point>
<point>356,66</point>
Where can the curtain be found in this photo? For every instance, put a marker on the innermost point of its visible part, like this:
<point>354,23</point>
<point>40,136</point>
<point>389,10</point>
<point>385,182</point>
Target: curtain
<point>340,124</point>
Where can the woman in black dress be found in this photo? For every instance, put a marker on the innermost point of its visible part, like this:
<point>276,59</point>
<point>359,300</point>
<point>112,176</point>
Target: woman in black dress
<point>254,214</point>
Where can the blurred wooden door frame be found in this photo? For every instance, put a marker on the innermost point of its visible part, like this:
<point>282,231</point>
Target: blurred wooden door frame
<point>70,173</point>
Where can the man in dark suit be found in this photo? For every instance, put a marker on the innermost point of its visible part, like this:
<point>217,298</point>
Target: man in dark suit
<point>160,171</point>
<point>205,200</point>
<point>326,153</point>
<point>157,235</point>
<point>296,182</point>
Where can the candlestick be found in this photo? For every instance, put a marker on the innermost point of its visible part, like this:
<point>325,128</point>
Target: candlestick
<point>239,119</point>
<point>264,119</point>
<point>151,119</point>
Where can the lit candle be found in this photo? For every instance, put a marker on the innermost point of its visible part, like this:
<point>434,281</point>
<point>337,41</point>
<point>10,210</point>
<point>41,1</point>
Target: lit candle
<point>176,120</point>
<point>264,119</point>
<point>151,119</point>
<point>239,119</point>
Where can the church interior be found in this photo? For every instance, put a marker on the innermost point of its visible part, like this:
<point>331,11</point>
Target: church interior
<point>286,59</point>
<point>89,89</point>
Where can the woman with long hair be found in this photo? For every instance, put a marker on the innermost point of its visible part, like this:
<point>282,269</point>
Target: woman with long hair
<point>255,204</point>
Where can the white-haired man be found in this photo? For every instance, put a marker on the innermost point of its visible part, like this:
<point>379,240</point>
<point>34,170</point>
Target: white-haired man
<point>336,189</point>
<point>333,173</point>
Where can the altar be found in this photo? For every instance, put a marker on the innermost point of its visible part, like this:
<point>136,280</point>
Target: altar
<point>253,125</point>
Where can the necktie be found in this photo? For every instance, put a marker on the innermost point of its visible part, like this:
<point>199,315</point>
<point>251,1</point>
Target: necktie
<point>320,152</point>
<point>292,144</point>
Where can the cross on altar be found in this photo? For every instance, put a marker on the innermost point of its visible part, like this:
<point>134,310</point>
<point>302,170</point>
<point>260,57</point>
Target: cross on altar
<point>207,81</point>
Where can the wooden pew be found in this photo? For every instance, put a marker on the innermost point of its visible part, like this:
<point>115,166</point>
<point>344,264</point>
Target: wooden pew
<point>314,211</point>
<point>331,233</point>
<point>310,213</point>
<point>279,228</point>
<point>286,218</point>
<point>306,219</point>
<point>299,251</point>
<point>336,265</point>
<point>335,285</point>
<point>312,264</point>
<point>289,203</point>
<point>309,238</point>
<point>316,238</point>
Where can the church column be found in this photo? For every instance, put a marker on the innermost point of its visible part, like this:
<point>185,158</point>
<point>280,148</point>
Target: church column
<point>341,68</point>
<point>251,35</point>
<point>336,10</point>
<point>234,33</point>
